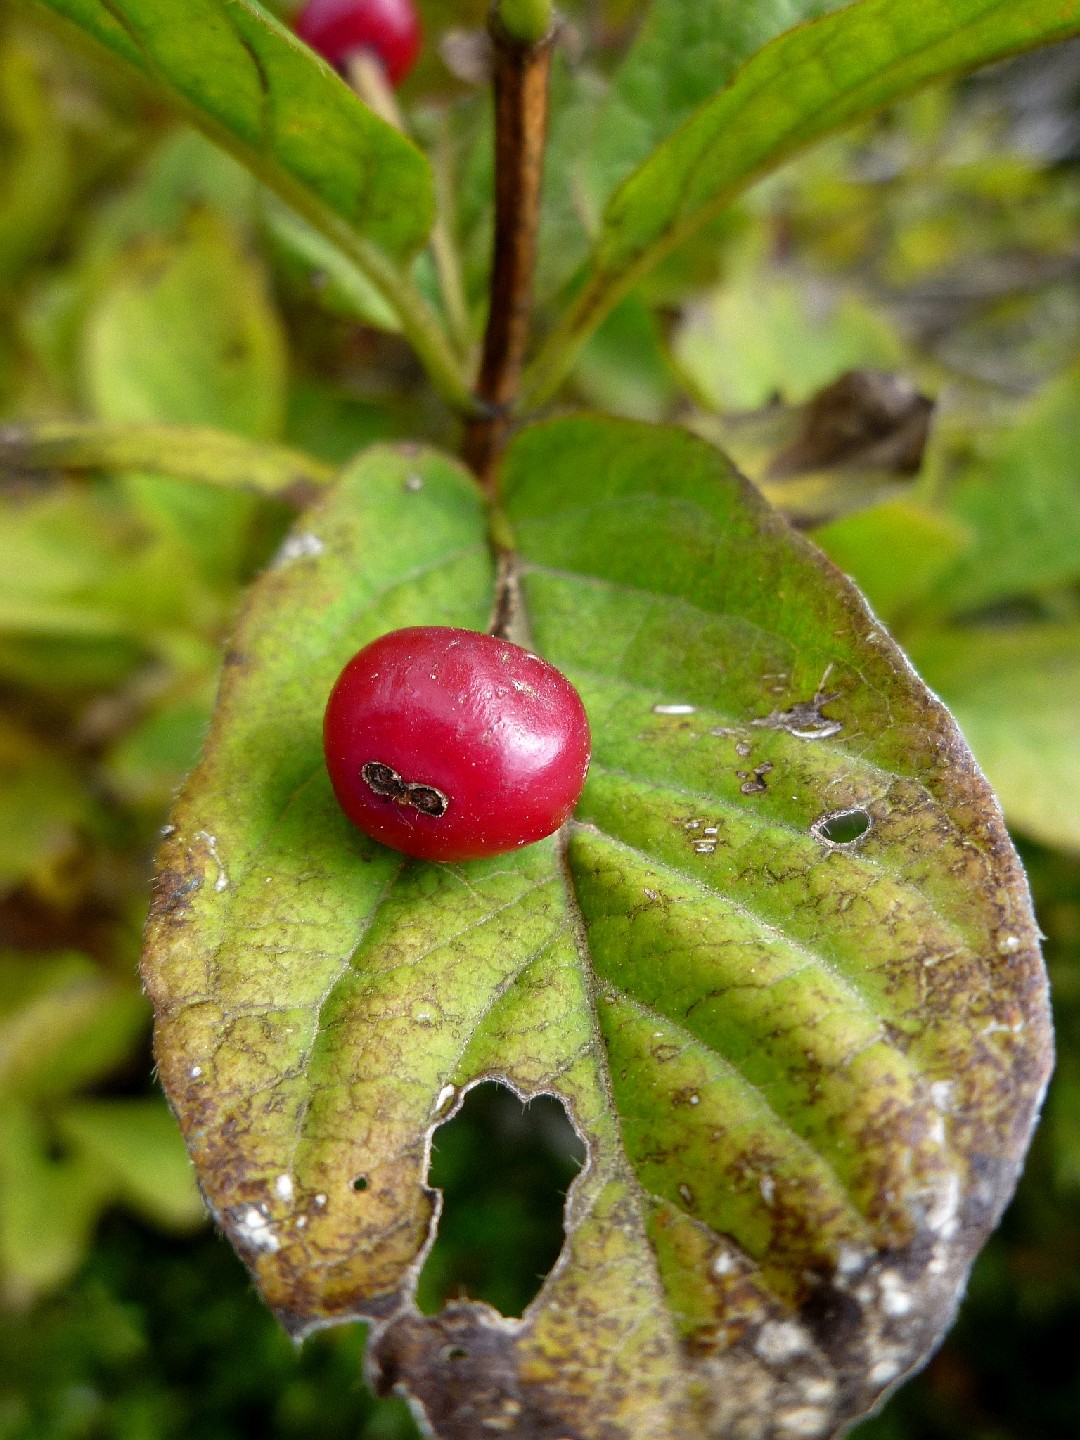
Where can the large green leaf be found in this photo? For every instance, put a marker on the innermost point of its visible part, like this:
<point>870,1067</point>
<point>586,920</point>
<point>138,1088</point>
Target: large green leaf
<point>804,84</point>
<point>239,73</point>
<point>804,1051</point>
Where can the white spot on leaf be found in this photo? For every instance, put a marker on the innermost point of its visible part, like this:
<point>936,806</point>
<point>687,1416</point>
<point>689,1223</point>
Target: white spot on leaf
<point>254,1229</point>
<point>299,547</point>
<point>806,1423</point>
<point>222,881</point>
<point>781,1340</point>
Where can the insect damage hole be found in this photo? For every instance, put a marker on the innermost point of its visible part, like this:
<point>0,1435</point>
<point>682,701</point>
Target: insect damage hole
<point>504,1166</point>
<point>843,827</point>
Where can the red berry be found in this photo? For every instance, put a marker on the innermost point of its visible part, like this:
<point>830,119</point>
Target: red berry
<point>451,745</point>
<point>389,29</point>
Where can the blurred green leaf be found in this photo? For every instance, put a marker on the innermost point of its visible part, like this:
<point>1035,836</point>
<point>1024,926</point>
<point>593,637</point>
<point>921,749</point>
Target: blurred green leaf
<point>856,1110</point>
<point>565,233</point>
<point>625,369</point>
<point>77,566</point>
<point>43,808</point>
<point>64,1023</point>
<point>1015,693</point>
<point>335,424</point>
<point>894,552</point>
<point>1022,505</point>
<point>182,173</point>
<point>49,1205</point>
<point>146,767</point>
<point>137,1145</point>
<point>35,164</point>
<point>59,666</point>
<point>758,339</point>
<point>186,335</point>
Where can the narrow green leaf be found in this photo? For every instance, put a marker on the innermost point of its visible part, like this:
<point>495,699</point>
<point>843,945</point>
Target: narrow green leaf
<point>183,452</point>
<point>808,82</point>
<point>805,84</point>
<point>685,51</point>
<point>326,273</point>
<point>240,73</point>
<point>781,969</point>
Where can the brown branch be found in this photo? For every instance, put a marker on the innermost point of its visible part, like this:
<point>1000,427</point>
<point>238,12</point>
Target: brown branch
<point>521,74</point>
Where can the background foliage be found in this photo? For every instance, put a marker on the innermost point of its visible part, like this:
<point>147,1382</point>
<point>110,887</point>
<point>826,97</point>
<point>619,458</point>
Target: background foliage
<point>145,277</point>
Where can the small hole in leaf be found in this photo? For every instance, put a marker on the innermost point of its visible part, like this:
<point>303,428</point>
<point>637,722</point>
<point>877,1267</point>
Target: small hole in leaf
<point>456,1352</point>
<point>843,828</point>
<point>360,1183</point>
<point>504,1167</point>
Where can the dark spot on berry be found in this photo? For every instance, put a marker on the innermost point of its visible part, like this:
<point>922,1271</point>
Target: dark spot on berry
<point>384,781</point>
<point>388,785</point>
<point>428,800</point>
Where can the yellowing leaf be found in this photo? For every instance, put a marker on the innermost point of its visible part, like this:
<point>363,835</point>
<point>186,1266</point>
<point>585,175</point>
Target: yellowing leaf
<point>781,968</point>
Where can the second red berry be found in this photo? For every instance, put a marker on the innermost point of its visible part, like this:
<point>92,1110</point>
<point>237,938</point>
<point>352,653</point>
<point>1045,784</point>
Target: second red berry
<point>388,29</point>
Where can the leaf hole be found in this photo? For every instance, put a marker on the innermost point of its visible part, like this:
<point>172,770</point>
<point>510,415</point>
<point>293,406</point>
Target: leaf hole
<point>360,1183</point>
<point>455,1352</point>
<point>504,1166</point>
<point>844,827</point>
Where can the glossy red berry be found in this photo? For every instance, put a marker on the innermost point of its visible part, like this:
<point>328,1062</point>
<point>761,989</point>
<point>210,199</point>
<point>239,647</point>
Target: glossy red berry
<point>388,29</point>
<point>451,745</point>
